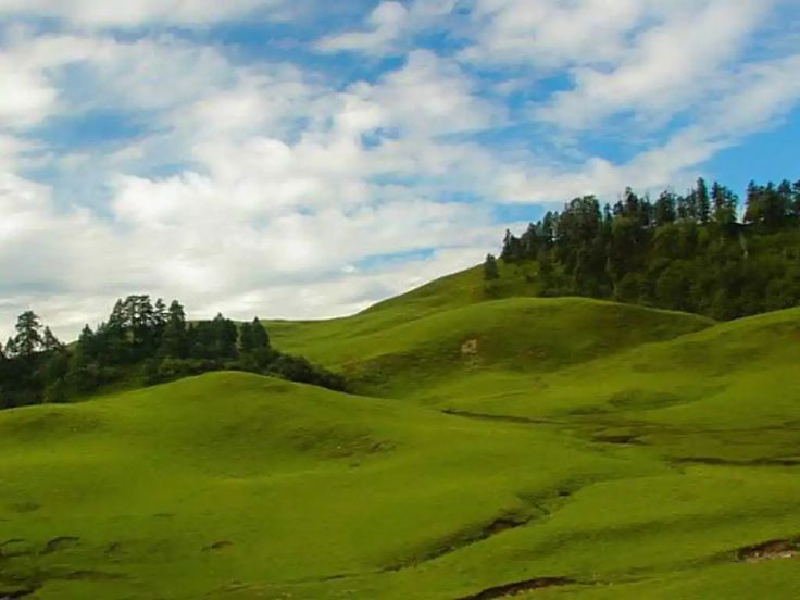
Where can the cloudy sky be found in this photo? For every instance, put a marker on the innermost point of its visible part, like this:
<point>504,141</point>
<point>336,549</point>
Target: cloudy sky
<point>305,158</point>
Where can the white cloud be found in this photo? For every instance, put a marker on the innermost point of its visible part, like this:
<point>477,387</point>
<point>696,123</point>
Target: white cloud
<point>138,12</point>
<point>387,26</point>
<point>551,33</point>
<point>430,95</point>
<point>187,237</point>
<point>754,98</point>
<point>266,210</point>
<point>31,99</point>
<point>667,68</point>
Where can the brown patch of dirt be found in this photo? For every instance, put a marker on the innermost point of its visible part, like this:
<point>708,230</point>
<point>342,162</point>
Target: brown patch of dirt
<point>772,550</point>
<point>25,507</point>
<point>631,440</point>
<point>499,526</point>
<point>513,589</point>
<point>114,547</point>
<point>220,545</point>
<point>61,543</point>
<point>470,347</point>
<point>501,418</point>
<point>90,575</point>
<point>462,540</point>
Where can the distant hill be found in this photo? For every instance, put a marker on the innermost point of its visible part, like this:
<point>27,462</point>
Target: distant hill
<point>399,346</point>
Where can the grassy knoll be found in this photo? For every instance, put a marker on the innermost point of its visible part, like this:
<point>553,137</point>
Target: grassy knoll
<point>552,449</point>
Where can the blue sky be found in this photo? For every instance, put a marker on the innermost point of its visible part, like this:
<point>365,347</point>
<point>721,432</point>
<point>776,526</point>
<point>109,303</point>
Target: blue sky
<point>304,159</point>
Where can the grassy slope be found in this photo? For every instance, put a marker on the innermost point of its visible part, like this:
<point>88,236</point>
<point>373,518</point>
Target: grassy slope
<point>305,483</point>
<point>412,343</point>
<point>324,495</point>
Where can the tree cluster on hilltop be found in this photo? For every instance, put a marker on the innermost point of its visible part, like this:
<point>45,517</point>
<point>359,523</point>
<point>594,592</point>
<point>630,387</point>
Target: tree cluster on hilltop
<point>142,341</point>
<point>687,252</point>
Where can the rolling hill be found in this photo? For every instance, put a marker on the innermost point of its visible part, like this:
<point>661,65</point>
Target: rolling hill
<point>546,448</point>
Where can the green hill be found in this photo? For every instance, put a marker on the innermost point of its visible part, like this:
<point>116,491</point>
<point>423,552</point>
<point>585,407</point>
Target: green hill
<point>550,448</point>
<point>449,328</point>
<point>194,485</point>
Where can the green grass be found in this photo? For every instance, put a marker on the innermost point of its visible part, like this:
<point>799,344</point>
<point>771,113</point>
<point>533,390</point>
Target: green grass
<point>630,451</point>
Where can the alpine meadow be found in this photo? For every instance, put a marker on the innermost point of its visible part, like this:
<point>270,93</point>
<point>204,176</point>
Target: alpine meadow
<point>603,403</point>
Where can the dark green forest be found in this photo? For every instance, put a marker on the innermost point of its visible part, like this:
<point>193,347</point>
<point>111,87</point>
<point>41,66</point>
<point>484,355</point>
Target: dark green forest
<point>142,343</point>
<point>699,252</point>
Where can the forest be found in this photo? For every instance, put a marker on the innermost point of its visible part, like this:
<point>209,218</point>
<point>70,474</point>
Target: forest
<point>699,252</point>
<point>142,343</point>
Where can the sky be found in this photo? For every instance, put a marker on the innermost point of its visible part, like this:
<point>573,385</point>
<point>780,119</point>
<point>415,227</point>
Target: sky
<point>304,158</point>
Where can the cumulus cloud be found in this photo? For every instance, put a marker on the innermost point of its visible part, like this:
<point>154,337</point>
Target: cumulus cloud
<point>262,210</point>
<point>666,68</point>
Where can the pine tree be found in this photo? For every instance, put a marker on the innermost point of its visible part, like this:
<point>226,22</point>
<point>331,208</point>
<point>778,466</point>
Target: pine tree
<point>796,199</point>
<point>530,242</point>
<point>682,211</point>
<point>691,206</point>
<point>225,335</point>
<point>703,203</point>
<point>160,315</point>
<point>754,210</point>
<point>50,343</point>
<point>260,335</point>
<point>665,208</point>
<point>490,269</point>
<point>86,344</point>
<point>774,204</point>
<point>29,338</point>
<point>725,204</point>
<point>246,343</point>
<point>11,348</point>
<point>175,339</point>
<point>631,203</point>
<point>513,250</point>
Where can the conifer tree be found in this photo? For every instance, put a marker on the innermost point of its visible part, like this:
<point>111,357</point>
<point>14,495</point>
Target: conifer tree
<point>11,348</point>
<point>246,343</point>
<point>260,336</point>
<point>490,269</point>
<point>174,340</point>
<point>29,338</point>
<point>665,209</point>
<point>50,343</point>
<point>703,202</point>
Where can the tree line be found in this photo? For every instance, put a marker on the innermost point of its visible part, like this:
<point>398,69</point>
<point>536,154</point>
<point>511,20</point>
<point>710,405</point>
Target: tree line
<point>142,342</point>
<point>695,252</point>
